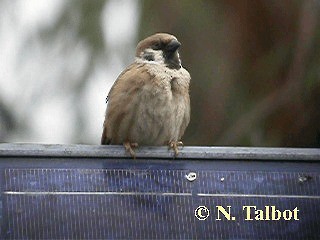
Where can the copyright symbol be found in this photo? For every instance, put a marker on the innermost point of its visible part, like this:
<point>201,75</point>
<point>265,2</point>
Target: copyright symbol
<point>202,213</point>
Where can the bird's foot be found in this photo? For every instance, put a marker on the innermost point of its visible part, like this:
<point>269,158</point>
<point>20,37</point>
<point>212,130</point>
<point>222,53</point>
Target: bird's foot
<point>174,145</point>
<point>129,148</point>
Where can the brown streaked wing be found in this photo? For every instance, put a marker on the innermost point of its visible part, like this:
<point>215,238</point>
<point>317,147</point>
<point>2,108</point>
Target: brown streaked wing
<point>122,103</point>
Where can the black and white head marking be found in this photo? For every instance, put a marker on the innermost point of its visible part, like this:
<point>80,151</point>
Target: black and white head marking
<point>153,56</point>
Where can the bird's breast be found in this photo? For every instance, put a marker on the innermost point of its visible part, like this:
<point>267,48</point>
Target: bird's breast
<point>172,80</point>
<point>163,106</point>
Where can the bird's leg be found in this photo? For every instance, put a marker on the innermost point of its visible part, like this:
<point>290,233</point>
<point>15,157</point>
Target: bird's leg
<point>174,145</point>
<point>129,148</point>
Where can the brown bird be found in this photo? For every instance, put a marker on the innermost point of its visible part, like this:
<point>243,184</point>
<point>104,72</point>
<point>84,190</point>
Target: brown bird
<point>149,103</point>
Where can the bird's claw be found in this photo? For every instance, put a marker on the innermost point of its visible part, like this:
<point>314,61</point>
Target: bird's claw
<point>129,148</point>
<point>174,145</point>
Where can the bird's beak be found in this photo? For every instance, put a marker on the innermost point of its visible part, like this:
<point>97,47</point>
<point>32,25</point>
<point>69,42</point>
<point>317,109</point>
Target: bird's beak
<point>173,46</point>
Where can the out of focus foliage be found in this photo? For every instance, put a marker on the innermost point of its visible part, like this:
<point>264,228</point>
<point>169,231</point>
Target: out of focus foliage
<point>255,67</point>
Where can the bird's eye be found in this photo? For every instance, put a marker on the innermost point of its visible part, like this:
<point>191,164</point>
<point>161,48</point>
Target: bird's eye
<point>157,46</point>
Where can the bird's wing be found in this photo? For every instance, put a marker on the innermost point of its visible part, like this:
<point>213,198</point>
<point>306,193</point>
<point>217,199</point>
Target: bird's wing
<point>186,117</point>
<point>122,96</point>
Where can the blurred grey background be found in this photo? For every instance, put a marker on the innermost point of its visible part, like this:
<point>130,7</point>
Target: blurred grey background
<point>255,67</point>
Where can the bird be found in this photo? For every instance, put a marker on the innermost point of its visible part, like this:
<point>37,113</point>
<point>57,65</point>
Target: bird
<point>149,103</point>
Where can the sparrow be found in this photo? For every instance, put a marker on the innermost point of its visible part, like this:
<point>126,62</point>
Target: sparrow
<point>149,103</point>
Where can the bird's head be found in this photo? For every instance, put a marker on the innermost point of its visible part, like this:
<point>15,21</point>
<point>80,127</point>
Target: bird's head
<point>160,48</point>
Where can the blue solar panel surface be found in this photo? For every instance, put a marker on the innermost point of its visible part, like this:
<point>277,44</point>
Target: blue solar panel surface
<point>83,197</point>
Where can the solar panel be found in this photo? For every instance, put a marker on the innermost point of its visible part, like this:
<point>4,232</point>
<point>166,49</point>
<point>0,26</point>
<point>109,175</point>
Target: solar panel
<point>68,194</point>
